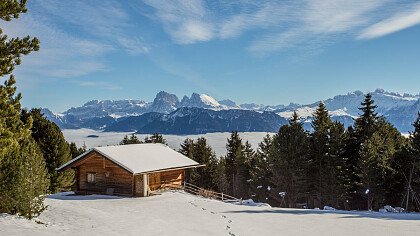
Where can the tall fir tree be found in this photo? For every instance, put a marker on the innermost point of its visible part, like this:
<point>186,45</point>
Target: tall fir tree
<point>235,151</point>
<point>244,162</point>
<point>319,162</point>
<point>55,149</point>
<point>187,149</point>
<point>410,168</point>
<point>76,151</point>
<point>25,181</point>
<point>288,164</point>
<point>375,163</point>
<point>364,127</point>
<point>202,153</point>
<point>22,171</point>
<point>221,178</point>
<point>326,166</point>
<point>365,124</point>
<point>260,173</point>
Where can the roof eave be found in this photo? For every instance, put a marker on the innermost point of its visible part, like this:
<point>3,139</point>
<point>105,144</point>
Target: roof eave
<point>169,169</point>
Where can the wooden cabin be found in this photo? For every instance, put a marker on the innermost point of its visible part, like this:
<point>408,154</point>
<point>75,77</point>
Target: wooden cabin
<point>130,170</point>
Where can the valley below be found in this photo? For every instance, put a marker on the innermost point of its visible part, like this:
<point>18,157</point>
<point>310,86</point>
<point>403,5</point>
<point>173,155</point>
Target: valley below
<point>216,140</point>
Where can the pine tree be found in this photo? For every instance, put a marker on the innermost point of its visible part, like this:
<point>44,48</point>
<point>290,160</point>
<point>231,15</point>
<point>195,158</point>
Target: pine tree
<point>23,178</point>
<point>12,49</point>
<point>410,167</point>
<point>221,179</point>
<point>244,163</point>
<point>22,171</point>
<point>365,125</point>
<point>319,163</point>
<point>155,138</point>
<point>54,148</point>
<point>130,140</point>
<point>260,173</point>
<point>235,152</point>
<point>326,166</point>
<point>187,149</point>
<point>204,154</point>
<point>351,156</point>
<point>75,151</point>
<point>288,163</point>
<point>376,155</point>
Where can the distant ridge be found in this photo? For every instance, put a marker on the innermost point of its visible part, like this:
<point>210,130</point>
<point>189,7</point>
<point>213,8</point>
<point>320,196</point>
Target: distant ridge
<point>134,115</point>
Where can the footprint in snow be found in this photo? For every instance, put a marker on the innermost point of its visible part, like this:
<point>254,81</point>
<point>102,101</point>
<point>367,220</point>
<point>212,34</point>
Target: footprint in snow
<point>203,209</point>
<point>223,216</point>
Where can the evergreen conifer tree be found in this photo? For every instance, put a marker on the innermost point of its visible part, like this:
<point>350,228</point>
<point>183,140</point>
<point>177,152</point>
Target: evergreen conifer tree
<point>130,140</point>
<point>54,148</point>
<point>235,152</point>
<point>375,163</point>
<point>288,163</point>
<point>76,151</point>
<point>155,138</point>
<point>260,172</point>
<point>22,171</point>
<point>365,125</point>
<point>326,166</point>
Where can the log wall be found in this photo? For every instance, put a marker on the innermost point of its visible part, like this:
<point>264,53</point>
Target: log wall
<point>165,179</point>
<point>109,176</point>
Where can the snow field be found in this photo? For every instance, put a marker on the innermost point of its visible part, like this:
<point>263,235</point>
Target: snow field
<point>178,213</point>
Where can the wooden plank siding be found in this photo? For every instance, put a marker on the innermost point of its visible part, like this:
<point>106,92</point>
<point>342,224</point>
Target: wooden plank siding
<point>165,179</point>
<point>108,176</point>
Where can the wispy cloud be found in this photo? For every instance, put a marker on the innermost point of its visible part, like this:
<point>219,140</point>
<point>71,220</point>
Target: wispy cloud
<point>98,84</point>
<point>404,19</point>
<point>279,25</point>
<point>93,30</point>
<point>187,21</point>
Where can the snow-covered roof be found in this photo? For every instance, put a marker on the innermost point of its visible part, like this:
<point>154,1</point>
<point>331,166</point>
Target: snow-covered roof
<point>140,158</point>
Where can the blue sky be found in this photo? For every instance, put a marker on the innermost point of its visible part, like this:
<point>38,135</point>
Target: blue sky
<point>271,52</point>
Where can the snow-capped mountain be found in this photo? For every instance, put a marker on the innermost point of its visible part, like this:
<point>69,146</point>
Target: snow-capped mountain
<point>116,109</point>
<point>400,109</point>
<point>164,103</point>
<point>344,108</point>
<point>201,101</point>
<point>193,120</point>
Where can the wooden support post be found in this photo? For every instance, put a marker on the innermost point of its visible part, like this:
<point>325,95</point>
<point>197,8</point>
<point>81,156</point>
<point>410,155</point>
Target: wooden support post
<point>145,185</point>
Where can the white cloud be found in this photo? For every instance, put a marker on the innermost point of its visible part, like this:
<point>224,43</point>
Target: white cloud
<point>317,23</point>
<point>76,36</point>
<point>279,25</point>
<point>134,46</point>
<point>187,21</point>
<point>401,20</point>
<point>99,84</point>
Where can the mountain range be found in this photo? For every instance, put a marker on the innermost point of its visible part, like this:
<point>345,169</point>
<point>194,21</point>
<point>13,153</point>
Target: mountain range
<point>201,113</point>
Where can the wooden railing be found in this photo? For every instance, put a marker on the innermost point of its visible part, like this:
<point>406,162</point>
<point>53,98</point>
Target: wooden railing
<point>193,189</point>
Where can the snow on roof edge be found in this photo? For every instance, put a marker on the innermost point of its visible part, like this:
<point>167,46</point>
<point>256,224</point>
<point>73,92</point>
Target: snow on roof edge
<point>98,150</point>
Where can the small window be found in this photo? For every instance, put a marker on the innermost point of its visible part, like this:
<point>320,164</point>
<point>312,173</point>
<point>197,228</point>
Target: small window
<point>91,177</point>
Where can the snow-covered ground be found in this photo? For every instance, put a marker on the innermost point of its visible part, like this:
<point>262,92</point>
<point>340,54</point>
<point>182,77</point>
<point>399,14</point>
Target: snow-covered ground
<point>216,140</point>
<point>177,213</point>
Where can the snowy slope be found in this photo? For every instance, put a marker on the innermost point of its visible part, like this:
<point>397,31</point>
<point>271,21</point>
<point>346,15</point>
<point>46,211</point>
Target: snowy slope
<point>177,213</point>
